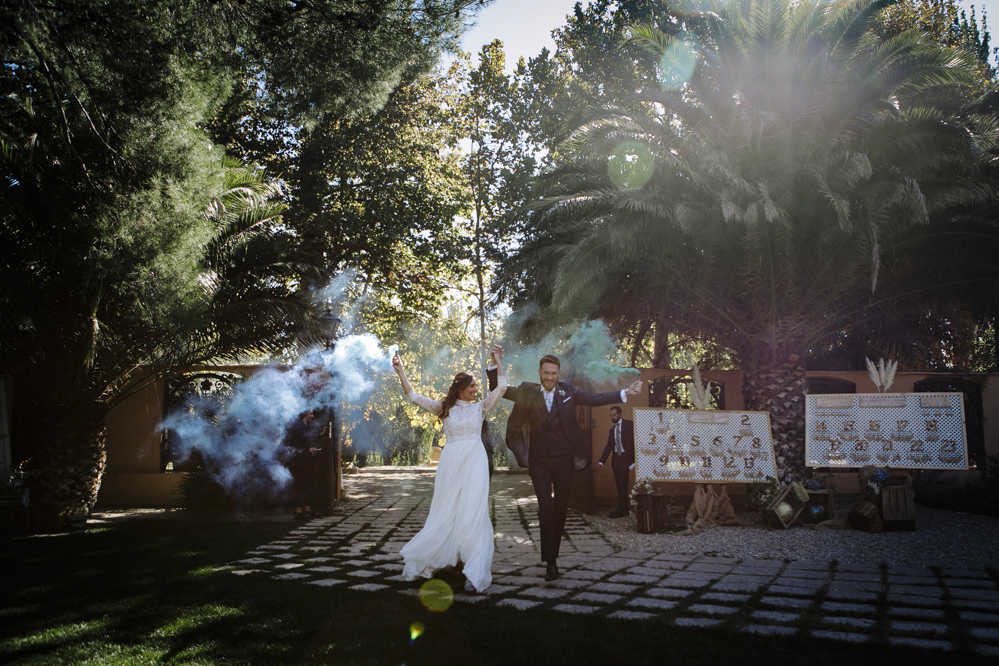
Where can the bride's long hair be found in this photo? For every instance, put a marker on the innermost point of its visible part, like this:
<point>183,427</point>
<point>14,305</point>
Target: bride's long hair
<point>458,384</point>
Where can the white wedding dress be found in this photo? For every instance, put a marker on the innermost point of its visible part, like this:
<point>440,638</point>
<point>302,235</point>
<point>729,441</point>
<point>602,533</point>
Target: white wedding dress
<point>458,527</point>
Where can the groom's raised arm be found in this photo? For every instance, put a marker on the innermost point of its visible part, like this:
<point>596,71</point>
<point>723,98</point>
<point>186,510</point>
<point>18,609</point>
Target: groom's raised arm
<point>598,399</point>
<point>609,398</point>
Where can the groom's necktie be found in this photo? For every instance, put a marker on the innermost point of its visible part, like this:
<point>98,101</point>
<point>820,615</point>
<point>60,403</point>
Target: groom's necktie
<point>549,398</point>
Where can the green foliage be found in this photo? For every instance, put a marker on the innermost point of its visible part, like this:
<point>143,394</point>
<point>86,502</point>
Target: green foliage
<point>593,65</point>
<point>500,122</point>
<point>944,21</point>
<point>801,175</point>
<point>977,494</point>
<point>127,254</point>
<point>379,194</point>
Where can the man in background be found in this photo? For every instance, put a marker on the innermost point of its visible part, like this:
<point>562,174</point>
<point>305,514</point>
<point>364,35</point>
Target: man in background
<point>620,441</point>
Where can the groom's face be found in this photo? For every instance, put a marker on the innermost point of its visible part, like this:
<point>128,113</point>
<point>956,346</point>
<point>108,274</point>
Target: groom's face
<point>549,375</point>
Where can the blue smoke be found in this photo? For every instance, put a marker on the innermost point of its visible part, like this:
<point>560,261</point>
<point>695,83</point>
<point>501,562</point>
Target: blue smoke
<point>246,437</point>
<point>585,349</point>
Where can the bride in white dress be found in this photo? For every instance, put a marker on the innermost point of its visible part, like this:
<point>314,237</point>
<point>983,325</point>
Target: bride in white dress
<point>458,527</point>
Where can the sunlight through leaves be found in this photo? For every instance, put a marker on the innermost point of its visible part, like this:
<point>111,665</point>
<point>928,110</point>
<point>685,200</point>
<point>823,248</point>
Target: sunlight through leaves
<point>631,165</point>
<point>677,64</point>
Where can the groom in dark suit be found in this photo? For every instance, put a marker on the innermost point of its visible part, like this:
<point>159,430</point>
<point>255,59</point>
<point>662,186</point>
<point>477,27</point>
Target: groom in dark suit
<point>544,434</point>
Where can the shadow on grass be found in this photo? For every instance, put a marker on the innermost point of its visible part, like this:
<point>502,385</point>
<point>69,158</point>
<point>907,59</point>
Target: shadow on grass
<point>144,592</point>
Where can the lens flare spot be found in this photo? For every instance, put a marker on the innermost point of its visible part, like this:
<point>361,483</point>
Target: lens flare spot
<point>631,165</point>
<point>677,64</point>
<point>436,595</point>
<point>415,631</point>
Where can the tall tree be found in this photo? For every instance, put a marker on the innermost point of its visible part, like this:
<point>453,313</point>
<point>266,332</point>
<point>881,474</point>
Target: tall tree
<point>118,263</point>
<point>500,123</point>
<point>787,174</point>
<point>378,195</point>
<point>594,66</point>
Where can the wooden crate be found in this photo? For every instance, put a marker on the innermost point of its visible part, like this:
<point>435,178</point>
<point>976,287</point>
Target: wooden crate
<point>826,499</point>
<point>653,512</point>
<point>898,507</point>
<point>866,516</point>
<point>899,477</point>
<point>785,494</point>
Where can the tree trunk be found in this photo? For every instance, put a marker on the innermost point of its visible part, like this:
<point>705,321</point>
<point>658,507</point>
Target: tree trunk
<point>661,349</point>
<point>780,388</point>
<point>62,448</point>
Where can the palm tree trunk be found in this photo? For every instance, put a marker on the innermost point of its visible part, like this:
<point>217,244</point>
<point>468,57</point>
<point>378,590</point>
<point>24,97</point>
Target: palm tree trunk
<point>779,388</point>
<point>62,448</point>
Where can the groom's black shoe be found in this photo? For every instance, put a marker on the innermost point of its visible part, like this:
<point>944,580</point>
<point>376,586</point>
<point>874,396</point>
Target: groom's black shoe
<point>552,572</point>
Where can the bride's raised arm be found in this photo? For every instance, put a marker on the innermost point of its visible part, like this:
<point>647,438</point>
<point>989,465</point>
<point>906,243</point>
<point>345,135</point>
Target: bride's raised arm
<point>432,406</point>
<point>496,393</point>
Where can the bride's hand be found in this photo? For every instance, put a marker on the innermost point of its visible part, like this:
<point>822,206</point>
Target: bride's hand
<point>497,352</point>
<point>397,362</point>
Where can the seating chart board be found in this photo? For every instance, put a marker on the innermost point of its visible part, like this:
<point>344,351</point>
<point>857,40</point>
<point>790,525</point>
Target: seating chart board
<point>712,446</point>
<point>913,430</point>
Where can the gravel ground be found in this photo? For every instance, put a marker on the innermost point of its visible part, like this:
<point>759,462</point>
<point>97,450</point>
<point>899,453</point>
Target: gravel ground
<point>943,538</point>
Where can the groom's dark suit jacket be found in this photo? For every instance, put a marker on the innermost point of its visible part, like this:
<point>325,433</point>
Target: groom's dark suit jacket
<point>534,431</point>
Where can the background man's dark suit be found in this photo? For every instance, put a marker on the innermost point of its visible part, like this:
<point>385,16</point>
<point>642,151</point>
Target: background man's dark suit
<point>306,466</point>
<point>551,445</point>
<point>621,462</point>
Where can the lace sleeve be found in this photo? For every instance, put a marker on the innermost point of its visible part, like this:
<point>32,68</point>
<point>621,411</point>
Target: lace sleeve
<point>494,395</point>
<point>432,406</point>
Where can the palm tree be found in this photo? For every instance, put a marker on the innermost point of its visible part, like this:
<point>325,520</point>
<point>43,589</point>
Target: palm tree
<point>69,372</point>
<point>790,174</point>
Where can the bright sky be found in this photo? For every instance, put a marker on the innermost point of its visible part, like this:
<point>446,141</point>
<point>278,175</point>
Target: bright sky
<point>524,26</point>
<point>991,8</point>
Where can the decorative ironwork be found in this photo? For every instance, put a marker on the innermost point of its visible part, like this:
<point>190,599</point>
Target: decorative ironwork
<point>672,393</point>
<point>201,393</point>
<point>824,385</point>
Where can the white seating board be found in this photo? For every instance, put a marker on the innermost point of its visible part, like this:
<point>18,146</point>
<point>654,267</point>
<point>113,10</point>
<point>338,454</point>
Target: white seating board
<point>703,446</point>
<point>909,430</point>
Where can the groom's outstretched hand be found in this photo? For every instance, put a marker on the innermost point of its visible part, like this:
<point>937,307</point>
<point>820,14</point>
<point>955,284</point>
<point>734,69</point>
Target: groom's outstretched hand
<point>635,388</point>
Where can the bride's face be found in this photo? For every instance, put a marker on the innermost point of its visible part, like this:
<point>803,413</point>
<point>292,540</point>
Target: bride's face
<point>470,392</point>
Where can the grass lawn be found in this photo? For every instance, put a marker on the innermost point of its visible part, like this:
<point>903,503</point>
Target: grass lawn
<point>147,591</point>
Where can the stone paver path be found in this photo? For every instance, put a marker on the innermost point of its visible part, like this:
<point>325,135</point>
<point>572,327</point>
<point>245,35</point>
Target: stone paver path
<point>357,547</point>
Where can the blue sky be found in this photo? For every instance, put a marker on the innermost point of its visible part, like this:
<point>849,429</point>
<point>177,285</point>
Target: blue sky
<point>525,25</point>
